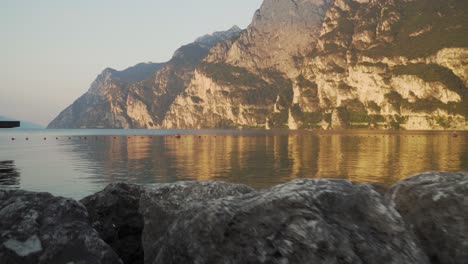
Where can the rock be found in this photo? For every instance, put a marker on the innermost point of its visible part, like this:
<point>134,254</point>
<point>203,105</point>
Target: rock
<point>298,64</point>
<point>333,64</point>
<point>435,206</point>
<point>113,212</point>
<point>304,221</point>
<point>139,96</point>
<point>41,228</point>
<point>162,205</point>
<point>380,188</point>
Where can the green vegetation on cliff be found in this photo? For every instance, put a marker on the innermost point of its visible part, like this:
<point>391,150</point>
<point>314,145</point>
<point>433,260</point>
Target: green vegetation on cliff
<point>227,74</point>
<point>432,73</point>
<point>250,88</point>
<point>307,119</point>
<point>278,120</point>
<point>425,27</point>
<point>426,105</point>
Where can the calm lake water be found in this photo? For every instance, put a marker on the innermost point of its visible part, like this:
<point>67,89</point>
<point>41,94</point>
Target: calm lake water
<point>76,163</point>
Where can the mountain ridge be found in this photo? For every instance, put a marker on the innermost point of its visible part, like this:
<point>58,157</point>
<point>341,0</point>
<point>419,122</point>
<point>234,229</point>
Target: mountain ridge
<point>138,96</point>
<point>317,64</point>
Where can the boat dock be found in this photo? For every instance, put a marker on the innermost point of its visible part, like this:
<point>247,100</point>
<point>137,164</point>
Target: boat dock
<point>9,124</point>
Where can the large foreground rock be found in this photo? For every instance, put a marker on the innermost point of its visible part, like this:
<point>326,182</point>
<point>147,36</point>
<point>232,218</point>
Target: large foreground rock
<point>435,206</point>
<point>304,221</point>
<point>162,205</point>
<point>114,213</point>
<point>40,228</point>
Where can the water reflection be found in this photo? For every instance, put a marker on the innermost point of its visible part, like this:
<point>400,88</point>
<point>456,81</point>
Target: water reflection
<point>9,175</point>
<point>265,160</point>
<point>75,167</point>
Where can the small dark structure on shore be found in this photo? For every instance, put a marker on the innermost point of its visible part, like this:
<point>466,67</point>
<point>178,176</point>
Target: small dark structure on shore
<point>9,124</point>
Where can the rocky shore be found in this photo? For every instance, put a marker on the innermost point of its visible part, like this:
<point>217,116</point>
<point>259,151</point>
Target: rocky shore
<point>423,219</point>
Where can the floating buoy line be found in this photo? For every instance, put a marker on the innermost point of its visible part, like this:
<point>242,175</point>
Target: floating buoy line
<point>454,134</point>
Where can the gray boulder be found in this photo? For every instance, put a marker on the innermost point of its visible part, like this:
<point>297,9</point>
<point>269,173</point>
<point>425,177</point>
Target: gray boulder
<point>162,205</point>
<point>304,221</point>
<point>113,212</point>
<point>435,206</point>
<point>40,228</point>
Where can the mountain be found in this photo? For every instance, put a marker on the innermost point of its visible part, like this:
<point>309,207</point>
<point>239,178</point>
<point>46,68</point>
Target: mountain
<point>23,124</point>
<point>367,63</point>
<point>327,64</point>
<point>107,100</point>
<point>138,97</point>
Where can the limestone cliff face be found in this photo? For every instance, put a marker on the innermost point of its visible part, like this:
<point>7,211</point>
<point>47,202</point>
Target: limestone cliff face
<point>282,31</point>
<point>390,64</point>
<point>303,64</point>
<point>108,102</point>
<point>140,96</point>
<point>247,82</point>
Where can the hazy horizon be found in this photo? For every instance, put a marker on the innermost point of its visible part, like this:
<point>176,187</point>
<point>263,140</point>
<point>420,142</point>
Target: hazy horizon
<point>53,50</point>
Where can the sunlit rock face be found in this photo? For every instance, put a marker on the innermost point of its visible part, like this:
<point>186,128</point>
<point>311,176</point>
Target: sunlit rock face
<point>140,96</point>
<point>248,81</point>
<point>333,65</point>
<point>310,64</point>
<point>379,67</point>
<point>282,31</point>
<point>111,101</point>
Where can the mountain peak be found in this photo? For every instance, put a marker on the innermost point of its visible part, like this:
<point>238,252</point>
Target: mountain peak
<point>234,28</point>
<point>218,36</point>
<point>134,73</point>
<point>311,64</point>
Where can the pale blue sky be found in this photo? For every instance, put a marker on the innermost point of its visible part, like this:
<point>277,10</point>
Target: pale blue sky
<point>51,50</point>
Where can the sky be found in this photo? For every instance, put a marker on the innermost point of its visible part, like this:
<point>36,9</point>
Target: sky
<point>52,50</point>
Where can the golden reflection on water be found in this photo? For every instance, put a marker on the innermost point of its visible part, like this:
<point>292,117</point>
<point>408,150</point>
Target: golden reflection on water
<point>265,160</point>
<point>78,166</point>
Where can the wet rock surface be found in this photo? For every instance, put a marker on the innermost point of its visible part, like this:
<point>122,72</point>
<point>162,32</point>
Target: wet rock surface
<point>113,212</point>
<point>40,228</point>
<point>304,221</point>
<point>163,204</point>
<point>435,206</point>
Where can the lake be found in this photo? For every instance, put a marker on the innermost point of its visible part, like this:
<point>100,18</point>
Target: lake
<point>76,163</point>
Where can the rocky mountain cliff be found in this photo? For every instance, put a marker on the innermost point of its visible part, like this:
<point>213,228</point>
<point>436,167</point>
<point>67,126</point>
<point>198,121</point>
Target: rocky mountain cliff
<point>307,64</point>
<point>138,97</point>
